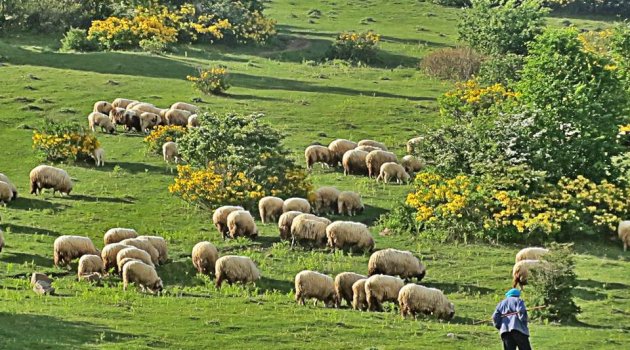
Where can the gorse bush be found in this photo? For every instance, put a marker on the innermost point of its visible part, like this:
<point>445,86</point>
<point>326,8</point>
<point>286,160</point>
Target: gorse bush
<point>214,80</point>
<point>356,47</point>
<point>161,135</point>
<point>76,39</point>
<point>469,99</point>
<point>64,141</point>
<point>153,46</point>
<point>456,64</point>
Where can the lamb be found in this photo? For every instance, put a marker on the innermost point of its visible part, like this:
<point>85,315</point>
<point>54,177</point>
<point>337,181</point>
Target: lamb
<point>144,244</point>
<point>270,208</point>
<point>354,162</point>
<point>90,263</point>
<point>382,288</point>
<point>143,275</point>
<point>307,229</point>
<point>170,153</point>
<point>312,284</point>
<point>367,149</point>
<point>241,223</point>
<point>6,194</point>
<point>349,235</point>
<point>359,300</point>
<point>414,299</point>
<point>99,119</point>
<point>118,234</point>
<point>624,234</point>
<point>395,262</point>
<point>411,164</point>
<point>296,204</point>
<point>99,156</point>
<point>149,121</point>
<point>413,143</point>
<point>373,143</point>
<point>219,218</point>
<point>177,117</point>
<point>375,159</point>
<point>284,223</point>
<point>531,253</point>
<point>520,271</point>
<point>67,248</point>
<point>193,121</point>
<point>234,268</point>
<point>338,148</point>
<point>102,107</point>
<point>132,253</point>
<point>349,203</point>
<point>325,200</point>
<point>14,190</point>
<point>45,176</point>
<point>132,120</point>
<point>343,286</point>
<point>317,154</point>
<point>159,243</point>
<point>185,107</point>
<point>204,257</point>
<point>145,107</point>
<point>122,102</point>
<point>392,170</point>
<point>109,254</point>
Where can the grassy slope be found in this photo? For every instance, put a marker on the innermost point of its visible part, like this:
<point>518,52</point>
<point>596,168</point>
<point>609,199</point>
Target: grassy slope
<point>311,103</point>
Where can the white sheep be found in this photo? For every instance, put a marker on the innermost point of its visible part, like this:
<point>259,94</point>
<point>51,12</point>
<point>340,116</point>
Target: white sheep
<point>395,262</point>
<point>170,153</point>
<point>343,286</point>
<point>325,200</point>
<point>185,107</point>
<point>109,254</point>
<point>135,103</point>
<point>234,268</point>
<point>45,176</point>
<point>372,143</point>
<point>624,234</point>
<point>392,170</point>
<point>338,148</point>
<point>117,116</point>
<point>367,149</point>
<point>411,164</point>
<point>414,299</point>
<point>6,193</point>
<point>159,243</point>
<point>193,121</point>
<point>122,102</point>
<point>312,284</point>
<point>90,263</point>
<point>354,162</point>
<point>149,121</point>
<point>349,203</point>
<point>270,208</point>
<point>177,117</point>
<point>13,188</point>
<point>520,271</point>
<point>375,159</point>
<point>382,288</point>
<point>296,204</point>
<point>219,218</point>
<point>204,257</point>
<point>349,235</point>
<point>145,107</point>
<point>143,275</point>
<point>102,107</point>
<point>115,235</point>
<point>132,253</point>
<point>413,143</point>
<point>67,248</point>
<point>241,224</point>
<point>317,154</point>
<point>359,300</point>
<point>102,120</point>
<point>284,223</point>
<point>530,253</point>
<point>99,156</point>
<point>144,244</point>
<point>308,229</point>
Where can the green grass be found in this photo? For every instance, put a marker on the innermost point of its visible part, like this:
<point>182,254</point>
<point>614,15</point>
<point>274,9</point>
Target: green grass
<point>389,102</point>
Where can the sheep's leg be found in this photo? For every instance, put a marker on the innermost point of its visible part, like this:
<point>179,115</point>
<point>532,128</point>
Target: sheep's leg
<point>625,246</point>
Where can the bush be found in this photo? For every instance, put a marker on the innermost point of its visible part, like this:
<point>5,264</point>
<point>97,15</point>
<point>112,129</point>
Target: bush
<point>247,23</point>
<point>161,135</point>
<point>502,69</point>
<point>76,39</point>
<point>153,46</point>
<point>355,47</point>
<point>590,7</point>
<point>453,3</point>
<point>64,141</point>
<point>213,81</point>
<point>456,64</point>
<point>469,99</point>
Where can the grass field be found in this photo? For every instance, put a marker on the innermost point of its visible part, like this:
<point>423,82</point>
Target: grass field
<point>390,101</point>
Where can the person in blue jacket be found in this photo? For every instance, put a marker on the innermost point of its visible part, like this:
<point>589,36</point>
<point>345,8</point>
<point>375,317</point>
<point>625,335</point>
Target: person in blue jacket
<point>510,318</point>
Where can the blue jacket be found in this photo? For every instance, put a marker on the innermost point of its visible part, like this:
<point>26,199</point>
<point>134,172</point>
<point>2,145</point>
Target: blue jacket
<point>514,322</point>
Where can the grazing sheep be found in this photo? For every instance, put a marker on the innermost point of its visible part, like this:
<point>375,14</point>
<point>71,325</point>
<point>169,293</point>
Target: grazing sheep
<point>349,203</point>
<point>132,253</point>
<point>624,234</point>
<point>395,262</point>
<point>102,107</point>
<point>338,148</point>
<point>367,149</point>
<point>159,243</point>
<point>382,288</point>
<point>145,107</point>
<point>413,143</point>
<point>372,143</point>
<point>306,216</point>
<point>109,254</point>
<point>354,162</point>
<point>90,263</point>
<point>99,156</point>
<point>122,102</point>
<point>414,299</point>
<point>312,284</point>
<point>349,235</point>
<point>118,234</point>
<point>270,208</point>
<point>531,253</point>
<point>234,268</point>
<point>325,200</point>
<point>14,190</point>
<point>307,229</point>
<point>317,154</point>
<point>392,170</point>
<point>177,117</point>
<point>143,275</point>
<point>219,218</point>
<point>375,159</point>
<point>135,103</point>
<point>99,119</point>
<point>284,223</point>
<point>132,120</point>
<point>359,300</point>
<point>520,271</point>
<point>149,121</point>
<point>411,164</point>
<point>185,107</point>
<point>241,224</point>
<point>343,286</point>
<point>117,116</point>
<point>296,204</point>
<point>45,177</point>
<point>193,121</point>
<point>170,153</point>
<point>6,194</point>
<point>67,248</point>
<point>204,257</point>
<point>144,244</point>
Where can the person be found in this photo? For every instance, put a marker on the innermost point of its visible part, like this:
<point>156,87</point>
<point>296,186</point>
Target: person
<point>510,318</point>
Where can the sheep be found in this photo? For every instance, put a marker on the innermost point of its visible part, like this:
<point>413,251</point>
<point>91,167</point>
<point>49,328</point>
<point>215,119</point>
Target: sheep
<point>307,216</point>
<point>90,263</point>
<point>413,143</point>
<point>131,120</point>
<point>99,156</point>
<point>144,244</point>
<point>109,254</point>
<point>312,284</point>
<point>354,162</point>
<point>317,154</point>
<point>270,208</point>
<point>118,234</point>
<point>159,243</point>
<point>349,203</point>
<point>45,177</point>
<point>177,117</point>
<point>372,143</point>
<point>284,223</point>
<point>102,107</point>
<point>143,275</point>
<point>395,262</point>
<point>145,107</point>
<point>520,271</point>
<point>14,190</point>
<point>241,223</point>
<point>349,235</point>
<point>531,253</point>
<point>132,253</point>
<point>219,218</point>
<point>624,234</point>
<point>170,153</point>
<point>382,288</point>
<point>204,257</point>
<point>414,299</point>
<point>6,194</point>
<point>375,159</point>
<point>122,102</point>
<point>325,200</point>
<point>136,103</point>
<point>234,268</point>
<point>343,286</point>
<point>367,149</point>
<point>296,204</point>
<point>185,107</point>
<point>117,116</point>
<point>149,121</point>
<point>411,164</point>
<point>338,148</point>
<point>99,119</point>
<point>193,121</point>
<point>359,301</point>
<point>392,170</point>
<point>67,248</point>
<point>308,229</point>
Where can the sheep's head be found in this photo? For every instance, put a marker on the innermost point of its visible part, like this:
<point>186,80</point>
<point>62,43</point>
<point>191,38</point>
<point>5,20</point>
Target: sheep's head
<point>405,177</point>
<point>157,286</point>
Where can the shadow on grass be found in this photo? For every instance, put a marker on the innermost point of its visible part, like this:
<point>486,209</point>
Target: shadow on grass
<point>590,295</point>
<point>22,203</point>
<point>449,288</point>
<point>602,285</point>
<point>266,284</point>
<point>136,168</point>
<point>28,230</point>
<point>181,273</point>
<point>86,198</point>
<point>21,258</point>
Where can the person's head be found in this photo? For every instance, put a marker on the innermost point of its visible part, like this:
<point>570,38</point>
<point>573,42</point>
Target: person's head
<point>513,293</point>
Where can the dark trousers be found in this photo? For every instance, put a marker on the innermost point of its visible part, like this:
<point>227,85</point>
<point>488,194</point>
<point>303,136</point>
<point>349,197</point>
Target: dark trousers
<point>514,339</point>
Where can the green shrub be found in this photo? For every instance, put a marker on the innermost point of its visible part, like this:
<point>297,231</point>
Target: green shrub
<point>153,46</point>
<point>453,3</point>
<point>76,39</point>
<point>452,63</point>
<point>502,69</point>
<point>355,47</point>
<point>212,81</point>
<point>64,141</point>
<point>161,135</point>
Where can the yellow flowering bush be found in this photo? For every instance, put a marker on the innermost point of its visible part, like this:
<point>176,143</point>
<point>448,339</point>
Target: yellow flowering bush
<point>469,99</point>
<point>60,142</point>
<point>211,81</point>
<point>357,47</point>
<point>162,134</point>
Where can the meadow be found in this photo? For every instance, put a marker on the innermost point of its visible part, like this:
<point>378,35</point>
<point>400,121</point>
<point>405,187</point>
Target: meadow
<point>310,101</point>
